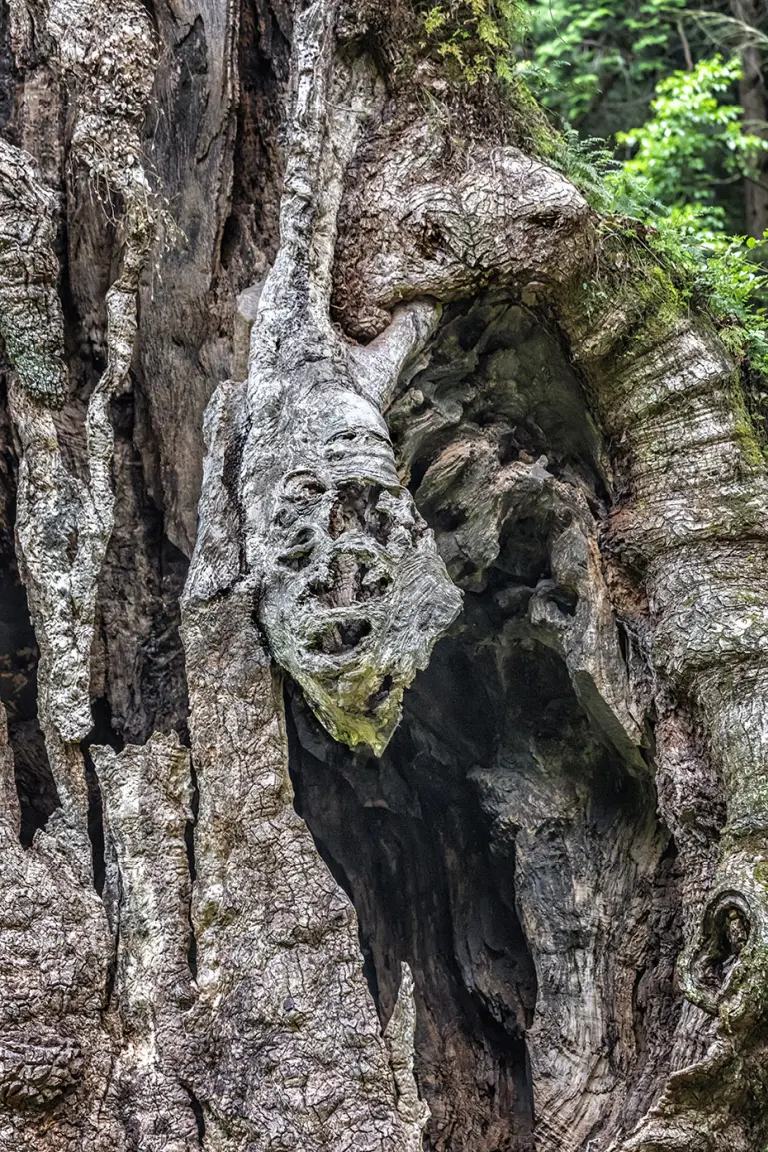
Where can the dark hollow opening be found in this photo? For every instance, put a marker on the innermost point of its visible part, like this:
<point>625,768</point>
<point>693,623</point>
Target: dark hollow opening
<point>407,838</point>
<point>503,845</point>
<point>103,732</point>
<point>423,840</point>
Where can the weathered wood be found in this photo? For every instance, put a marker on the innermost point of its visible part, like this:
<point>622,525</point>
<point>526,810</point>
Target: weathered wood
<point>448,892</point>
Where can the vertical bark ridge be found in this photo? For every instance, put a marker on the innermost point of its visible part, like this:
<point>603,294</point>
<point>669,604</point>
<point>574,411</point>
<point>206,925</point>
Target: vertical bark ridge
<point>147,800</point>
<point>284,1022</point>
<point>64,521</point>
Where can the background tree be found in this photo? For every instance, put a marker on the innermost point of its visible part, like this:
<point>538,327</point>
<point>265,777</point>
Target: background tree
<point>600,67</point>
<point>329,359</point>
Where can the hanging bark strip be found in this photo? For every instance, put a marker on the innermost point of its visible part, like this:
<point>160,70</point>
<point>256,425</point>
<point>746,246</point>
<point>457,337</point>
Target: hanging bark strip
<point>31,323</point>
<point>352,594</point>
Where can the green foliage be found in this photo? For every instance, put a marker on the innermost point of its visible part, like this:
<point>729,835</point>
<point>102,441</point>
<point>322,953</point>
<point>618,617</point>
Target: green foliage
<point>474,38</point>
<point>693,143</point>
<point>592,166</point>
<point>724,278</point>
<point>610,55</point>
<point>714,272</point>
<point>673,185</point>
<point>695,140</point>
<point>664,190</point>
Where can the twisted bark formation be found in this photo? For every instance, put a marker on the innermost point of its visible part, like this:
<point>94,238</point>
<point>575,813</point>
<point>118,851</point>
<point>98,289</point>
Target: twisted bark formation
<point>515,902</point>
<point>352,594</point>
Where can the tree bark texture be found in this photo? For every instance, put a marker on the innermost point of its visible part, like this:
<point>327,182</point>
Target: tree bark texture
<point>384,631</point>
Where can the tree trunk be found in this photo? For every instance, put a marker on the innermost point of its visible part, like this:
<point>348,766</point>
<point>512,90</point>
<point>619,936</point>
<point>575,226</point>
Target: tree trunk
<point>385,758</point>
<point>752,97</point>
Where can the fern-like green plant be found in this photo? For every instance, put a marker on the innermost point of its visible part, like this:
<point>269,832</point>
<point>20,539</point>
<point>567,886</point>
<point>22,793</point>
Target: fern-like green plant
<point>474,38</point>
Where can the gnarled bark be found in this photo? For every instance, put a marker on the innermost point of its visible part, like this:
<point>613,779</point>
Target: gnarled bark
<point>478,439</point>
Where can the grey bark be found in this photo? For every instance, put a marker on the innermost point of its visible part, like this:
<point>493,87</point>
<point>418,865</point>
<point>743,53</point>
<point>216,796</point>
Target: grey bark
<point>265,887</point>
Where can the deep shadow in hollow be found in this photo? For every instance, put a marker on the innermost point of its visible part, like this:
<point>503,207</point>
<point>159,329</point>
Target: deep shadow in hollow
<point>19,653</point>
<point>423,840</point>
<point>407,839</point>
<point>19,656</point>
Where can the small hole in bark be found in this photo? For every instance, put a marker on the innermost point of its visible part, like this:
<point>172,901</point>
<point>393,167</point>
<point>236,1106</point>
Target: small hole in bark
<point>373,589</point>
<point>418,472</point>
<point>303,487</point>
<point>300,551</point>
<point>296,564</point>
<point>449,519</point>
<point>565,600</point>
<point>486,417</point>
<point>349,583</point>
<point>377,698</point>
<point>341,637</point>
<point>729,930</point>
<point>508,449</point>
<point>544,219</point>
